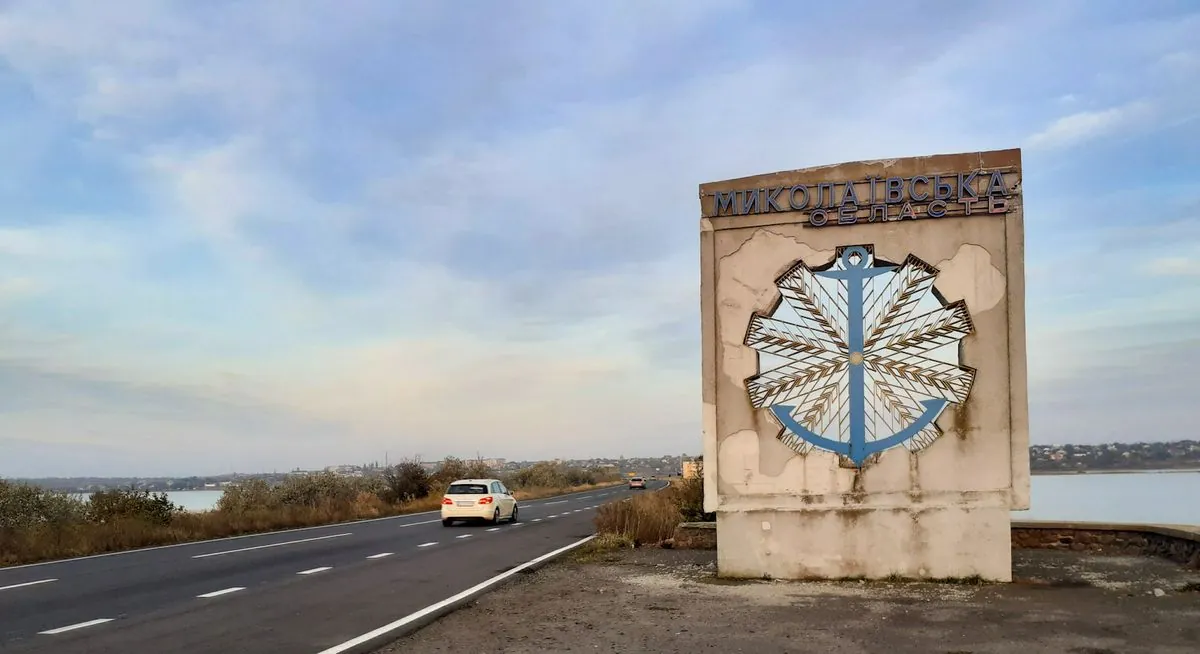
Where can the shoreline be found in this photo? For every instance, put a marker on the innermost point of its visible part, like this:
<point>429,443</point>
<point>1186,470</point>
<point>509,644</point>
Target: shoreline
<point>1114,471</point>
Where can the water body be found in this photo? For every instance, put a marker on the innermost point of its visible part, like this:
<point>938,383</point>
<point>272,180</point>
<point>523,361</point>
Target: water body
<point>1160,497</point>
<point>1154,496</point>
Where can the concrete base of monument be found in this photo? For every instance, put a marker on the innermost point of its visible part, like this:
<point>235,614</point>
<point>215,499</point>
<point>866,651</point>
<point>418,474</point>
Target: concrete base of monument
<point>928,543</point>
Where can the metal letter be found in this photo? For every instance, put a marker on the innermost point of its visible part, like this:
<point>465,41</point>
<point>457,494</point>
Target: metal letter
<point>906,212</point>
<point>942,190</point>
<point>873,180</point>
<point>723,202</point>
<point>878,212</point>
<point>820,202</point>
<point>818,218</point>
<point>966,187</point>
<point>895,190</point>
<point>937,209</point>
<point>968,203</point>
<point>912,188</point>
<point>792,198</point>
<point>997,205</point>
<point>849,196</point>
<point>750,201</point>
<point>772,196</point>
<point>996,184</point>
<point>848,214</point>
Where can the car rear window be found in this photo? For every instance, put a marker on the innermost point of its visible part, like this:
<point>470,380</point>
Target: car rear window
<point>467,489</point>
<point>636,479</point>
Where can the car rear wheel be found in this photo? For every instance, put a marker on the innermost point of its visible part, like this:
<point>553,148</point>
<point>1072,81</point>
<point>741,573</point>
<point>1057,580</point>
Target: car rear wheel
<point>513,517</point>
<point>496,516</point>
<point>447,523</point>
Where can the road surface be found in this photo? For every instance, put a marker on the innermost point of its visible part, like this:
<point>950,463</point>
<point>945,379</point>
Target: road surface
<point>301,591</point>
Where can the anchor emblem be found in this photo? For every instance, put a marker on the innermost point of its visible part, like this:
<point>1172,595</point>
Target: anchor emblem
<point>866,355</point>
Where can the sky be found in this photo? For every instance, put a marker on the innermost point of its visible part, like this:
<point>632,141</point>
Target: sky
<point>261,236</point>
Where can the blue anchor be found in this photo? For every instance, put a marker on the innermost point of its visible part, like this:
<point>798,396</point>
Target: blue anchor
<point>858,449</point>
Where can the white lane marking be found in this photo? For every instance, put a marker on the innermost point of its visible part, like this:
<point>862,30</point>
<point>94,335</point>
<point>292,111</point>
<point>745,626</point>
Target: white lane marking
<point>551,517</point>
<point>315,570</point>
<point>576,510</point>
<point>464,536</point>
<point>412,617</point>
<point>427,544</point>
<point>260,547</point>
<point>380,555</point>
<point>243,536</point>
<point>225,591</point>
<point>28,583</point>
<point>494,529</point>
<point>558,502</point>
<point>584,497</point>
<point>517,524</point>
<point>537,519</point>
<point>81,625</point>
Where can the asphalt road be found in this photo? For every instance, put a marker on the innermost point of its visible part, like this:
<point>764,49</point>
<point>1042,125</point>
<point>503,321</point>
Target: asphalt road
<point>295,591</point>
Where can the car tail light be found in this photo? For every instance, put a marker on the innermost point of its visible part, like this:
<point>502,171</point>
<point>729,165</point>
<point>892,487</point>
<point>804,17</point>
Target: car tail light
<point>447,500</point>
<point>485,500</point>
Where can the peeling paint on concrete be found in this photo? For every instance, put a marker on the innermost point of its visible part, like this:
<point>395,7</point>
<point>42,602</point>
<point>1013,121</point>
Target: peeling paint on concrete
<point>971,276</point>
<point>941,511</point>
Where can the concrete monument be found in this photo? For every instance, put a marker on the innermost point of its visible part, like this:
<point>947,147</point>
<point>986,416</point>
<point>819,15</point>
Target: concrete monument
<point>865,410</point>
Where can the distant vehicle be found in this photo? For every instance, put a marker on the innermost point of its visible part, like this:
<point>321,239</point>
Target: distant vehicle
<point>637,482</point>
<point>478,499</point>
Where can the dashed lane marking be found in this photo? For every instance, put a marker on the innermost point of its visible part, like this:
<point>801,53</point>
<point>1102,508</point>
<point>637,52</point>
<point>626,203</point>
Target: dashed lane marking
<point>315,570</point>
<point>464,536</point>
<point>427,544</point>
<point>224,591</point>
<point>73,627</point>
<point>28,583</point>
<point>380,555</point>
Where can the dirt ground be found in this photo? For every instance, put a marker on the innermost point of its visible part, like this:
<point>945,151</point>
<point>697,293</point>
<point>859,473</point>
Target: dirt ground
<point>670,601</point>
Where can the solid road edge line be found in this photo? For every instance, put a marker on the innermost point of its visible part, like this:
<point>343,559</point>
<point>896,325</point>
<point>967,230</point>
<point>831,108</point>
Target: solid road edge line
<point>412,622</point>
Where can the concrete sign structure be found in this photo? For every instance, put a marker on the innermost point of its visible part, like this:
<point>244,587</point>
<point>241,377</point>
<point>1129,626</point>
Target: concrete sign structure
<point>865,409</point>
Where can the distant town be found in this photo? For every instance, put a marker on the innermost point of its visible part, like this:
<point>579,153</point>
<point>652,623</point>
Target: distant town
<point>1044,459</point>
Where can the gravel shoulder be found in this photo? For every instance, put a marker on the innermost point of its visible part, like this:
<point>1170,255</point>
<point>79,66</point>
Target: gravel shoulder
<point>670,601</point>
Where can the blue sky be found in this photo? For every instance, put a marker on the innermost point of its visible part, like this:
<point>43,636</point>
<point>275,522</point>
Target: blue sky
<point>253,236</point>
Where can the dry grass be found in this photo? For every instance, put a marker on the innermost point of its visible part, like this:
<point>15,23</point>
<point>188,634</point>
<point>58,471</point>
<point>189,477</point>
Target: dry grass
<point>646,519</point>
<point>52,541</point>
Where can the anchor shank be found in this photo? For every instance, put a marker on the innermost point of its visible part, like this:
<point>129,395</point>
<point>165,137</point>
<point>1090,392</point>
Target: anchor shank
<point>854,332</point>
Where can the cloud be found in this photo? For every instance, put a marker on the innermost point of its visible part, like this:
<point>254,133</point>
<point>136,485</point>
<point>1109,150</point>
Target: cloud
<point>321,234</point>
<point>1084,126</point>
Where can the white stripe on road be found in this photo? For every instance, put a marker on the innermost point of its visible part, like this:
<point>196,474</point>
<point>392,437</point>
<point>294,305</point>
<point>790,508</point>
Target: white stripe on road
<point>537,519</point>
<point>315,570</point>
<point>380,555</point>
<point>427,544</point>
<point>464,536</point>
<point>226,591</point>
<point>585,497</point>
<point>259,547</point>
<point>28,583</point>
<point>494,529</point>
<point>558,502</point>
<point>81,625</point>
<point>552,516</point>
<point>413,617</point>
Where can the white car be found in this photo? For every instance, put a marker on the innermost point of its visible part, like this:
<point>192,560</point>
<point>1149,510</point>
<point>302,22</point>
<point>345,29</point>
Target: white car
<point>478,499</point>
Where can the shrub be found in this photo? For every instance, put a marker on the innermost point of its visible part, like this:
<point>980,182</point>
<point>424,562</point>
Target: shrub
<point>407,481</point>
<point>131,504</point>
